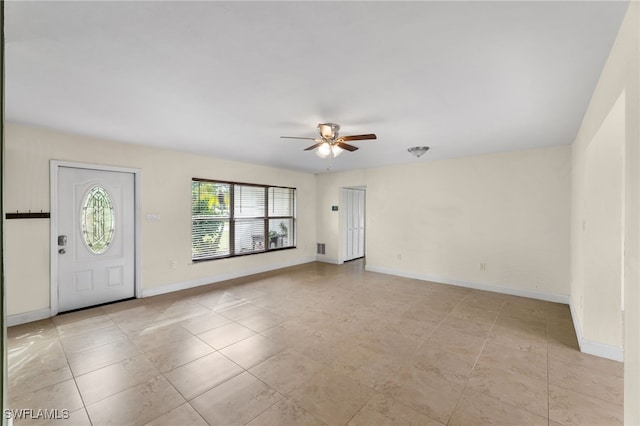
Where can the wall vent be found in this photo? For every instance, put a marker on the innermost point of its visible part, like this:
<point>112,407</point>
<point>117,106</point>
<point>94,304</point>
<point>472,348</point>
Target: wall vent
<point>321,248</point>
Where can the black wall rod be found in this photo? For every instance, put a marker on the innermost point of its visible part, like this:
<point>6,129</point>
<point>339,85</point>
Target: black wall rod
<point>29,215</point>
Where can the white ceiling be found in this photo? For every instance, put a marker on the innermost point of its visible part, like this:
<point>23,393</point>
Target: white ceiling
<point>228,78</point>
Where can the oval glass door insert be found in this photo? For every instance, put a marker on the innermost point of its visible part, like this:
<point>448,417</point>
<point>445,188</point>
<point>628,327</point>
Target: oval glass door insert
<point>98,220</point>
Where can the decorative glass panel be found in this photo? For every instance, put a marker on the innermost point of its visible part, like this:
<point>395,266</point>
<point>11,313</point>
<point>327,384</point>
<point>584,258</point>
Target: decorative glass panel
<point>97,220</point>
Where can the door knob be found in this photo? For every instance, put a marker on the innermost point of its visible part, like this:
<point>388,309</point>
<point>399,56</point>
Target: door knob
<point>62,251</point>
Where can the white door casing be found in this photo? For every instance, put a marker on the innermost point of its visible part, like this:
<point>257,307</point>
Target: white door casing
<point>353,235</point>
<point>84,273</point>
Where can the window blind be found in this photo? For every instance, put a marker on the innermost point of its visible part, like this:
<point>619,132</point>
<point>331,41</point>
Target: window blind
<point>233,219</point>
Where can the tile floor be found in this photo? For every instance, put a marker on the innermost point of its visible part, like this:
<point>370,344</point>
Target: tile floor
<point>311,345</point>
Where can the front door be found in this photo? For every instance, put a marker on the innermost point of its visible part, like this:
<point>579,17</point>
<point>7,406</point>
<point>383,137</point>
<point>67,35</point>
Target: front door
<point>95,241</point>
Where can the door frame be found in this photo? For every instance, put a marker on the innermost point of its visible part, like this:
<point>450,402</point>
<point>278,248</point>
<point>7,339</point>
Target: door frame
<point>343,222</point>
<point>54,167</point>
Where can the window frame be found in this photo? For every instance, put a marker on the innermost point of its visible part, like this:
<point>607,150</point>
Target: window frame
<point>292,233</point>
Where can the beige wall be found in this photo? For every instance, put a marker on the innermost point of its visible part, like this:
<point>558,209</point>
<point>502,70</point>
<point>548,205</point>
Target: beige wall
<point>610,129</point>
<point>597,238</point>
<point>440,220</point>
<point>165,190</point>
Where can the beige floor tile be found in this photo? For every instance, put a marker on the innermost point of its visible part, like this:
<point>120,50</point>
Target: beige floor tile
<point>152,337</point>
<point>101,356</point>
<point>107,381</point>
<point>415,330</point>
<point>226,335</point>
<point>35,366</point>
<point>286,370</point>
<point>523,308</point>
<point>91,339</point>
<point>125,305</point>
<point>58,417</point>
<point>575,357</point>
<point>572,408</point>
<point>484,300</point>
<point>174,354</point>
<point>285,412</point>
<point>251,351</point>
<point>83,324</point>
<point>288,333</point>
<point>381,410</point>
<point>261,321</point>
<point>77,316</point>
<point>198,376</point>
<point>445,364</point>
<point>516,333</point>
<point>240,311</point>
<point>76,418</point>
<point>26,334</point>
<point>205,322</point>
<point>332,397</point>
<point>420,313</point>
<point>424,391</point>
<point>366,366</point>
<point>30,380</point>
<point>479,409</point>
<point>513,361</point>
<point>587,381</point>
<point>236,401</point>
<point>182,415</point>
<point>136,405</point>
<point>388,342</point>
<point>520,391</point>
<point>325,336</point>
<point>63,395</point>
<point>472,312</point>
<point>320,347</point>
<point>562,336</point>
<point>218,300</point>
<point>467,326</point>
<point>534,326</point>
<point>462,345</point>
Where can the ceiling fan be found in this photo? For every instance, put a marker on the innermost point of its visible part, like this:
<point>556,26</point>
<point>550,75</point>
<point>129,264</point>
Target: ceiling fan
<point>330,144</point>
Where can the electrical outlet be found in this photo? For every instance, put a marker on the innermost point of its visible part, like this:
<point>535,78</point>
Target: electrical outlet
<point>483,266</point>
<point>174,264</point>
<point>399,256</point>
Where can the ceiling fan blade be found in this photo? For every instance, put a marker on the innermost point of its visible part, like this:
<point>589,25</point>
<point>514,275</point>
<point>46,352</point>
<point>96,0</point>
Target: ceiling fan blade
<point>296,137</point>
<point>346,146</point>
<point>359,137</point>
<point>314,146</point>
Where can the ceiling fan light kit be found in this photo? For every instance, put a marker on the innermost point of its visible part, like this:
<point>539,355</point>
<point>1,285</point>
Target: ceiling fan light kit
<point>330,145</point>
<point>418,151</point>
<point>326,149</point>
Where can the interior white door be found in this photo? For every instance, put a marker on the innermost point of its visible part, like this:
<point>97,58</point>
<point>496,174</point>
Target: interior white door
<point>353,220</point>
<point>95,223</point>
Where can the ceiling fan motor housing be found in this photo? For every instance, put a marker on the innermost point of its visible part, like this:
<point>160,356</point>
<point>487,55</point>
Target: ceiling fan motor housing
<point>329,130</point>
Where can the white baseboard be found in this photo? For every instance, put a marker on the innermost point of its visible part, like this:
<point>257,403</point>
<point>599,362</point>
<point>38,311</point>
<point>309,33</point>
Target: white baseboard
<point>170,288</point>
<point>557,298</point>
<point>26,317</point>
<point>615,353</point>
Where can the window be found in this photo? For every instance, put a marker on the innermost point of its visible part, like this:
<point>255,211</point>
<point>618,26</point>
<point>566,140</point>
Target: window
<point>233,219</point>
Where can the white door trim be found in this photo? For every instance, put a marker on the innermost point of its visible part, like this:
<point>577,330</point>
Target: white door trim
<point>342,257</point>
<point>53,170</point>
